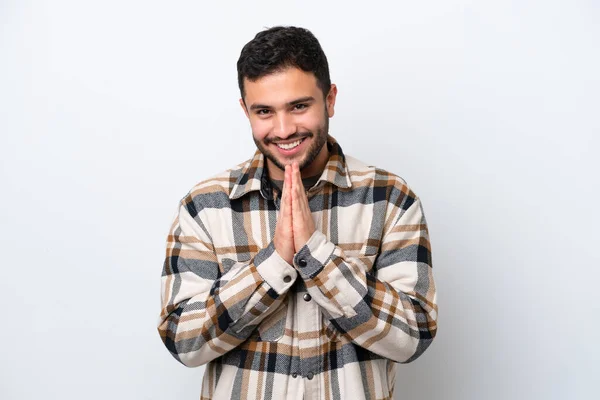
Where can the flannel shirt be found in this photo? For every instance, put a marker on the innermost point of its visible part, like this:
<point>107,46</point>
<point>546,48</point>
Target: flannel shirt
<point>359,297</point>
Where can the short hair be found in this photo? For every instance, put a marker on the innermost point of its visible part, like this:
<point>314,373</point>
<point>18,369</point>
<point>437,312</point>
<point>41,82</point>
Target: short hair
<point>279,48</point>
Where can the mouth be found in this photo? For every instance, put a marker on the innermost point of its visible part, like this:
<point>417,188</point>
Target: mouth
<point>291,148</point>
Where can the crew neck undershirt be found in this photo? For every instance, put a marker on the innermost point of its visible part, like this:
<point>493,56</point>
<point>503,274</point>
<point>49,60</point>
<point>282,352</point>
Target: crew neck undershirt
<point>307,182</point>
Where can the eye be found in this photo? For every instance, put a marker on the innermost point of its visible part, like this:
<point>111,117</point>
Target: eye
<point>300,106</point>
<point>262,111</point>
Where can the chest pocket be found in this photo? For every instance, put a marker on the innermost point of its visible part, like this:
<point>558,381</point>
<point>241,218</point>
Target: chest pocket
<point>272,328</point>
<point>365,259</point>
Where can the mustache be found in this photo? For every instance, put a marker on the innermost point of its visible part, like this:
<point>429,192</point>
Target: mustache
<point>295,136</point>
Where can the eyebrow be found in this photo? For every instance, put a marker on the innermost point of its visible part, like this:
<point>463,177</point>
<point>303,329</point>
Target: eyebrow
<point>305,99</point>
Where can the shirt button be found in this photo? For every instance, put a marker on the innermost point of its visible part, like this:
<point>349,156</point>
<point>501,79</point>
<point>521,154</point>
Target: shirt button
<point>287,278</point>
<point>294,375</point>
<point>302,262</point>
<point>307,297</point>
<point>309,376</point>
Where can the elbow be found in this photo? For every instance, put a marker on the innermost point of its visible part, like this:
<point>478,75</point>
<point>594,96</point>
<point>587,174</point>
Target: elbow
<point>191,360</point>
<point>190,348</point>
<point>420,344</point>
<point>183,349</point>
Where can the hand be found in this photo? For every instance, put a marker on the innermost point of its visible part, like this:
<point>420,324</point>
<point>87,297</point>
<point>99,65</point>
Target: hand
<point>283,238</point>
<point>303,224</point>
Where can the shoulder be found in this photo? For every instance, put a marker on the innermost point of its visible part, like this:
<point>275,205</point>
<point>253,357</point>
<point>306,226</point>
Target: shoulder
<point>215,190</point>
<point>363,174</point>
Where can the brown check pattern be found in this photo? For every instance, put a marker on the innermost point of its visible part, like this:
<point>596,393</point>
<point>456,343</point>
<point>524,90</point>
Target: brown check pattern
<point>359,297</point>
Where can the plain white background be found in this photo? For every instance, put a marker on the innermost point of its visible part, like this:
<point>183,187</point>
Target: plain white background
<point>111,110</point>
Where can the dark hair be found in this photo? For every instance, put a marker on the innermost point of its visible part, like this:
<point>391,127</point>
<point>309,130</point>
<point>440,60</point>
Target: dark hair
<point>278,48</point>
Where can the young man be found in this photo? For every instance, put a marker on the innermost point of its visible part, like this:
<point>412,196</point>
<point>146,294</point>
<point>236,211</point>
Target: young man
<point>301,273</point>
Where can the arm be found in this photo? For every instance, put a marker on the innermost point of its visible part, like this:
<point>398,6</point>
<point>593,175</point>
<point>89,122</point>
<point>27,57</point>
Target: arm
<point>204,313</point>
<point>390,310</point>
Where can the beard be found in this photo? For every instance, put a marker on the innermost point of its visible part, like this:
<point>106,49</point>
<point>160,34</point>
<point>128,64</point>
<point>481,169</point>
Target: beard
<point>319,137</point>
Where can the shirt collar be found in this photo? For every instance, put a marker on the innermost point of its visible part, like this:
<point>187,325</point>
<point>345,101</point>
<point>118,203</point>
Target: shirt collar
<point>253,175</point>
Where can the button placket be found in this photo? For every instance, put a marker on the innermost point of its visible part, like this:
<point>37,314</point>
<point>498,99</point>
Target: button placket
<point>308,322</point>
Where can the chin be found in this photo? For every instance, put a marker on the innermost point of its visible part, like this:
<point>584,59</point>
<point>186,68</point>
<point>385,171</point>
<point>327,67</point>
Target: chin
<point>289,161</point>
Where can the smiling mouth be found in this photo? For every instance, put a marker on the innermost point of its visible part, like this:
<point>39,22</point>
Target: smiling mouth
<point>290,146</point>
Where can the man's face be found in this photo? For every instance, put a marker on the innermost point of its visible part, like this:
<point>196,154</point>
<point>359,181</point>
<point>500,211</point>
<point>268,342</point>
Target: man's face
<point>289,116</point>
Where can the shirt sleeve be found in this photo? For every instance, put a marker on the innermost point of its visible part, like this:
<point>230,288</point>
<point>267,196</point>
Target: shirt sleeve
<point>205,312</point>
<point>389,309</point>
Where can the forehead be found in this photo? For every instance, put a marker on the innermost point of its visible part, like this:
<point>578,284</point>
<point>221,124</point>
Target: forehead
<point>281,87</point>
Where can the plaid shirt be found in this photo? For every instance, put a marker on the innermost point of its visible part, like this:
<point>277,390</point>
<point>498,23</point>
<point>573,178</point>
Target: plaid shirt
<point>359,297</point>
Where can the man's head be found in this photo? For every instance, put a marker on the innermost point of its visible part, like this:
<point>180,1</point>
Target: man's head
<point>280,48</point>
<point>287,95</point>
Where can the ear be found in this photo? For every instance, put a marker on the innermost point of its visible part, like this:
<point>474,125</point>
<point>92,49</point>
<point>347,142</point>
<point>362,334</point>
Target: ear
<point>330,100</point>
<point>244,108</point>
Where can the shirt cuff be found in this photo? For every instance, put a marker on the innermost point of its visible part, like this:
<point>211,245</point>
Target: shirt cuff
<point>314,255</point>
<point>275,270</point>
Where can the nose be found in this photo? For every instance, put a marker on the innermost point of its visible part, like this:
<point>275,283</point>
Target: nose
<point>283,125</point>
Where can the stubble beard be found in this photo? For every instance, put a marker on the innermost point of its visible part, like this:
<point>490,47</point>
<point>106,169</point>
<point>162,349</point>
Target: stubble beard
<point>319,140</point>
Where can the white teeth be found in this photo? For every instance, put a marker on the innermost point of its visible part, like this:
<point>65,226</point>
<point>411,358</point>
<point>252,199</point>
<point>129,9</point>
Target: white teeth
<point>289,146</point>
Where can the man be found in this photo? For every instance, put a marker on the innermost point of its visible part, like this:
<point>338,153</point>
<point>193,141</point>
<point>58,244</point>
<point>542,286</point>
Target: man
<point>301,273</point>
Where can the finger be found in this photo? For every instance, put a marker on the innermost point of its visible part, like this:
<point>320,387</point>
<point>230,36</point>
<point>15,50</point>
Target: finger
<point>284,191</point>
<point>295,185</point>
<point>299,190</point>
<point>301,209</point>
<point>288,178</point>
<point>302,201</point>
<point>285,197</point>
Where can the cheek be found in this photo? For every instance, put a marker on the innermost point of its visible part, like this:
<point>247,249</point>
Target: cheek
<point>260,128</point>
<point>312,121</point>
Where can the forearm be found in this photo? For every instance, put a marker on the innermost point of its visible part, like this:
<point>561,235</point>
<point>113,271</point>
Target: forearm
<point>205,314</point>
<point>223,313</point>
<point>389,309</point>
